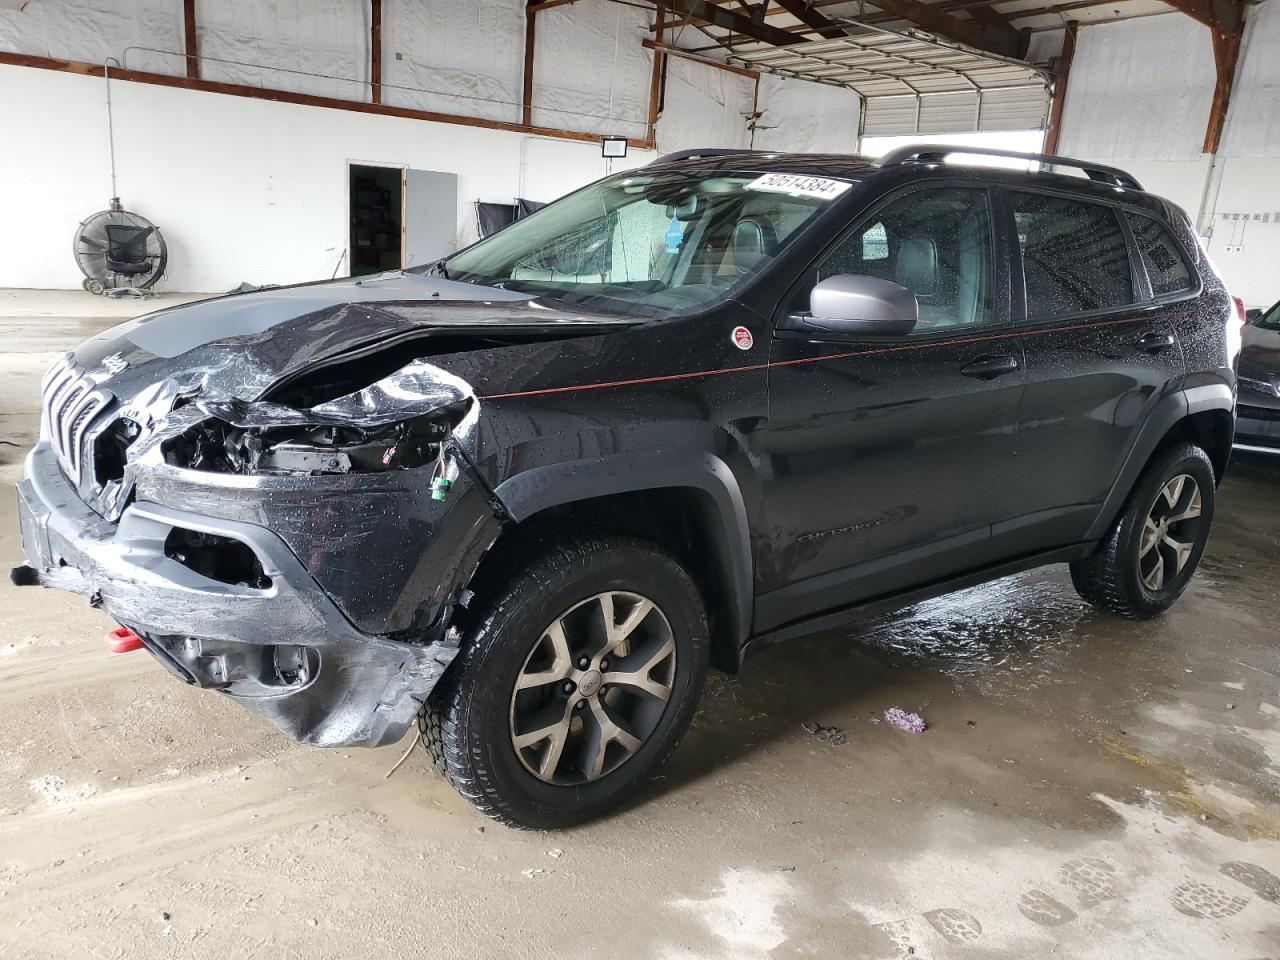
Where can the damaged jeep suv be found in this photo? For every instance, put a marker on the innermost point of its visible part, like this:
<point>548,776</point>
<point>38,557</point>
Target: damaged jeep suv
<point>526,495</point>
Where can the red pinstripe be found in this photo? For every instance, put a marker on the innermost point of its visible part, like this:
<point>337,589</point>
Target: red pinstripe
<point>665,378</point>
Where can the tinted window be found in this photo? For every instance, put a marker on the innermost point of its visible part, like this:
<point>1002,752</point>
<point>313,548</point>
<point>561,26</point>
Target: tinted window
<point>1161,255</point>
<point>1074,256</point>
<point>936,243</point>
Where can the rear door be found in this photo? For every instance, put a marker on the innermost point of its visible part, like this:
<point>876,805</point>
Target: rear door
<point>1100,352</point>
<point>885,455</point>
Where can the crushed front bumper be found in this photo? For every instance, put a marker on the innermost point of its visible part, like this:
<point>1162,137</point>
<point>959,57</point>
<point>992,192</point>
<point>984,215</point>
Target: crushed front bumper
<point>283,649</point>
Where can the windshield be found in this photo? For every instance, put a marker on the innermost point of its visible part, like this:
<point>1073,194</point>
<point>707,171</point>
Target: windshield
<point>654,244</point>
<point>1271,319</point>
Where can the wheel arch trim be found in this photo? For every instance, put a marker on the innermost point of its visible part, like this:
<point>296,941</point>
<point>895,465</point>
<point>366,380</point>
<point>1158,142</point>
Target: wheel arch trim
<point>1171,410</point>
<point>540,488</point>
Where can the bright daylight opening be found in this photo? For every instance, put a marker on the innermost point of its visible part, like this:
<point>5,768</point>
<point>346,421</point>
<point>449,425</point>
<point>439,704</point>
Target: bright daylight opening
<point>1023,141</point>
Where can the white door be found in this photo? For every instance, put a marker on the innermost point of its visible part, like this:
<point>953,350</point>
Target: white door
<point>430,221</point>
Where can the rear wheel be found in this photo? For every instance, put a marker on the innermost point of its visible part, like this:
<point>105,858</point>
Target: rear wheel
<point>574,685</point>
<point>1155,544</point>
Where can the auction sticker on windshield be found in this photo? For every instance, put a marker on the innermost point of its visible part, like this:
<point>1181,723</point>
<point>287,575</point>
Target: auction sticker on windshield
<point>798,186</point>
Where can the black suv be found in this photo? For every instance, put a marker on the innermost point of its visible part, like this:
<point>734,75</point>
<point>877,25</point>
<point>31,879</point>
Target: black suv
<point>528,494</point>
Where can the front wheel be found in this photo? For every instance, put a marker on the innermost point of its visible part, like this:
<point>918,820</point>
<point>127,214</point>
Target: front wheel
<point>1155,544</point>
<point>574,685</point>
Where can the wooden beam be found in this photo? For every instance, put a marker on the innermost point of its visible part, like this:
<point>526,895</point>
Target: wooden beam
<point>994,33</point>
<point>655,80</point>
<point>1059,101</point>
<point>375,51</point>
<point>1224,15</point>
<point>812,17</point>
<point>83,69</point>
<point>1225,20</point>
<point>1226,53</point>
<point>751,11</point>
<point>999,40</point>
<point>694,58</point>
<point>776,9</point>
<point>734,22</point>
<point>530,38</point>
<point>192,44</point>
<point>990,17</point>
<point>1055,9</point>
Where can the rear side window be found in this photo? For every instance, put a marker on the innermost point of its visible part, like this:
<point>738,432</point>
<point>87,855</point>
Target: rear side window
<point>1074,256</point>
<point>1161,255</point>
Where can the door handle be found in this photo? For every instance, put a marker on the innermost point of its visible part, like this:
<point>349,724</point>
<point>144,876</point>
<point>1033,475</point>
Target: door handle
<point>1154,341</point>
<point>988,368</point>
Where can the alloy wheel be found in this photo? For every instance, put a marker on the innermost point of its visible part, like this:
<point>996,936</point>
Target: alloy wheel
<point>593,688</point>
<point>1170,532</point>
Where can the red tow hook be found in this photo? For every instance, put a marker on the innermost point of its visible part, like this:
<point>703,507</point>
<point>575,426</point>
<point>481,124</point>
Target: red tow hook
<point>123,640</point>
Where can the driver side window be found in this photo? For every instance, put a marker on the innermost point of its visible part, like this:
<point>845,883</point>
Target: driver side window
<point>937,244</point>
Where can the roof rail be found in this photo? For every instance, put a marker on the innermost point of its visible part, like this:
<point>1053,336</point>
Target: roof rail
<point>936,153</point>
<point>701,152</point>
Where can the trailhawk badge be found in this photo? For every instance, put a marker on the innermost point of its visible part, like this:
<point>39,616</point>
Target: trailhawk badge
<point>742,338</point>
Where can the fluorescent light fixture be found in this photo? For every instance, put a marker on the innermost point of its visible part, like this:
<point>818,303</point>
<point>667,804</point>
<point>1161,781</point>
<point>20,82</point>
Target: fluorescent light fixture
<point>613,146</point>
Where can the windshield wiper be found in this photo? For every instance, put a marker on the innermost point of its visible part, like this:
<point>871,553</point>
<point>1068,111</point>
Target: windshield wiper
<point>440,268</point>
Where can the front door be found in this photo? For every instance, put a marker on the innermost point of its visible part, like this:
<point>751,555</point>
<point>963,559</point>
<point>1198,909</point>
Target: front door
<point>885,457</point>
<point>1100,353</point>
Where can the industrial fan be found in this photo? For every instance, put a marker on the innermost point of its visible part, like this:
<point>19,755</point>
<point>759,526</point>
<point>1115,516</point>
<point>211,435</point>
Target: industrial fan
<point>118,249</point>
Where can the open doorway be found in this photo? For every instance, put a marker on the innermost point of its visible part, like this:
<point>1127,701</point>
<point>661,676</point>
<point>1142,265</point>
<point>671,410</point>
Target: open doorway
<point>376,242</point>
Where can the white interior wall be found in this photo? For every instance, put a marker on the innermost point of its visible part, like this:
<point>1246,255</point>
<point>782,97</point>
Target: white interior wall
<point>319,47</point>
<point>460,58</point>
<point>1139,88</point>
<point>590,71</point>
<point>1253,120</point>
<point>91,30</point>
<point>704,106</point>
<point>1245,237</point>
<point>242,189</point>
<point>806,117</point>
<point>1139,97</point>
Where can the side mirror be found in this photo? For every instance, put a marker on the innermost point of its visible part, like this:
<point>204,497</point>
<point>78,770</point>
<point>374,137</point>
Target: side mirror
<point>855,304</point>
<point>1253,316</point>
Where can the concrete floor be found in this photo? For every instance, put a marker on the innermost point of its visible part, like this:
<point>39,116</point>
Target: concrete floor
<point>1088,788</point>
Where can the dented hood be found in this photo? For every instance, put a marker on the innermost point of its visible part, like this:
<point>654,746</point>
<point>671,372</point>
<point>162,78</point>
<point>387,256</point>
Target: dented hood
<point>239,346</point>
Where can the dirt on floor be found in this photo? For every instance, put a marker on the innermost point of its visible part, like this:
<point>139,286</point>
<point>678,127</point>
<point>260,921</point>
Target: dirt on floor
<point>1087,787</point>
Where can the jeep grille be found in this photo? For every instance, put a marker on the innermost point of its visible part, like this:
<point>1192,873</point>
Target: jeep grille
<point>72,400</point>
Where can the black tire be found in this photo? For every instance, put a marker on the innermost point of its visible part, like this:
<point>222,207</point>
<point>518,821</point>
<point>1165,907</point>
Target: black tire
<point>467,723</point>
<point>1112,578</point>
